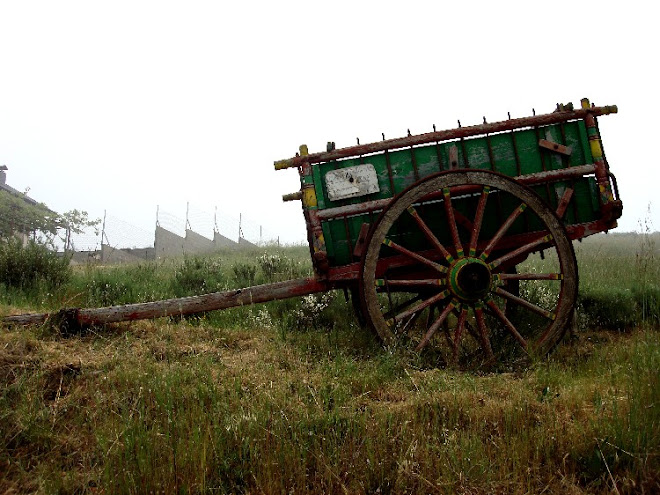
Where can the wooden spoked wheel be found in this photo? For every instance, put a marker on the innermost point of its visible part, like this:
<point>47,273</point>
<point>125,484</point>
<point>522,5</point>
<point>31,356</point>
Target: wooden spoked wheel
<point>445,268</point>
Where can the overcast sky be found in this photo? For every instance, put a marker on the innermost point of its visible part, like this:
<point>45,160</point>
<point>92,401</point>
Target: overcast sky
<point>125,105</point>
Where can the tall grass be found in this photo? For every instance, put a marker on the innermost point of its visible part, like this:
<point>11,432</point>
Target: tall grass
<point>294,397</point>
<point>619,286</point>
<point>195,410</point>
<point>619,280</point>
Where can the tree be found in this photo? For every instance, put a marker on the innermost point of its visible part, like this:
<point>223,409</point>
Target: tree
<point>18,216</point>
<point>75,222</point>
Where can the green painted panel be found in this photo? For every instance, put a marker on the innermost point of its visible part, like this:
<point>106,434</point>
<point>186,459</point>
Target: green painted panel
<point>330,243</point>
<point>318,182</point>
<point>510,153</point>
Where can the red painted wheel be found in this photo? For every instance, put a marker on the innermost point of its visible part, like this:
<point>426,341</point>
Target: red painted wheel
<point>445,268</point>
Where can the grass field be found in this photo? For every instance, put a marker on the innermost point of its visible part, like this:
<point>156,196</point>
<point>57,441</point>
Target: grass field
<point>294,397</point>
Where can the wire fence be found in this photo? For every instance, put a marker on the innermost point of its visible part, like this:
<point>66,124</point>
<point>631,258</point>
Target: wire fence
<point>121,234</point>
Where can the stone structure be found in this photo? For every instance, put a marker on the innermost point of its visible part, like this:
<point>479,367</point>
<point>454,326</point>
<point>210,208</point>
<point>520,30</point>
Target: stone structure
<point>111,255</point>
<point>196,243</point>
<point>244,243</point>
<point>167,244</point>
<point>220,241</point>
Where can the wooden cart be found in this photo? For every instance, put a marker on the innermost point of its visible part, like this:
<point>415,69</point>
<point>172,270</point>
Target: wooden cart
<point>431,233</point>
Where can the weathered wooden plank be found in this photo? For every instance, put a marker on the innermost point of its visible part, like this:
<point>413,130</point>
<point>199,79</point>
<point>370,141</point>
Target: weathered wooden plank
<point>430,137</point>
<point>85,317</point>
<point>556,147</point>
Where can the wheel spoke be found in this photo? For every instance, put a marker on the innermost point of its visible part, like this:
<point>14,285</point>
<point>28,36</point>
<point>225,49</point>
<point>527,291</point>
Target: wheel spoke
<point>415,256</point>
<point>463,221</point>
<point>478,218</point>
<point>425,293</point>
<point>460,326</point>
<point>529,276</point>
<point>467,325</point>
<point>410,322</point>
<point>419,307</point>
<point>507,323</point>
<point>525,304</point>
<point>429,235</point>
<point>422,282</point>
<point>435,326</point>
<point>502,230</point>
<point>430,314</point>
<point>401,306</point>
<point>445,327</point>
<point>527,248</point>
<point>483,331</point>
<point>449,210</point>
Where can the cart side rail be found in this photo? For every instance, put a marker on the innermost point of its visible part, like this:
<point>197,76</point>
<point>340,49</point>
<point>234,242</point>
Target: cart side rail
<point>445,135</point>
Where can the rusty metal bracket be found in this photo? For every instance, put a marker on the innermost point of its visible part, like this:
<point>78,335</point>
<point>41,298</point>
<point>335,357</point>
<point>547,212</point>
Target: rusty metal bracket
<point>556,147</point>
<point>453,157</point>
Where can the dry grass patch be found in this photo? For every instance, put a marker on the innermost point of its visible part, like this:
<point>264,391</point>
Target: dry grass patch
<point>193,408</point>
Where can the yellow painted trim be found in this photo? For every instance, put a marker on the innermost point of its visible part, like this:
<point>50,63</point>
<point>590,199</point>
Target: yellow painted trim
<point>319,244</point>
<point>282,164</point>
<point>309,197</point>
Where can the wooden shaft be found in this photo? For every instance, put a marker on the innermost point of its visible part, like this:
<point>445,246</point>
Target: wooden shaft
<point>181,306</point>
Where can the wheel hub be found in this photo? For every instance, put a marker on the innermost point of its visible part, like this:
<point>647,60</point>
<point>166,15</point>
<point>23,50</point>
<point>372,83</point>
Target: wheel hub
<point>469,279</point>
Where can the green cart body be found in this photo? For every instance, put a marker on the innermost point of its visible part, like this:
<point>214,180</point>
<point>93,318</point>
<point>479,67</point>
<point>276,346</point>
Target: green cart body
<point>515,154</point>
<point>451,209</point>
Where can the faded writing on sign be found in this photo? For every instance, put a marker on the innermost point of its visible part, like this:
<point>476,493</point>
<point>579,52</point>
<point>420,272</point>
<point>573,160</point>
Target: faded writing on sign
<point>351,182</point>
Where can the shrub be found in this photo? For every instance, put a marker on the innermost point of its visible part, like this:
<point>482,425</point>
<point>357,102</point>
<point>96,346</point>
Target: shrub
<point>107,290</point>
<point>277,268</point>
<point>197,276</point>
<point>619,309</point>
<point>27,267</point>
<point>245,274</point>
